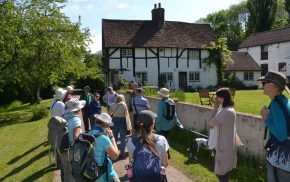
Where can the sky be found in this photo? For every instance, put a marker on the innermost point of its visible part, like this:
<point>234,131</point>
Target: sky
<point>93,11</point>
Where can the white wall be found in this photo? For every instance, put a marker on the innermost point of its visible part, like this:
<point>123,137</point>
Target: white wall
<point>240,76</point>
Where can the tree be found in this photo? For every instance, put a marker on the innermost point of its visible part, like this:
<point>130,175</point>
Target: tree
<point>219,56</point>
<point>287,8</point>
<point>42,46</point>
<point>262,15</point>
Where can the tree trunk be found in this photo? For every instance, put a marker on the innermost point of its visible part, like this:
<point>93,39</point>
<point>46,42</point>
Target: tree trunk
<point>35,94</point>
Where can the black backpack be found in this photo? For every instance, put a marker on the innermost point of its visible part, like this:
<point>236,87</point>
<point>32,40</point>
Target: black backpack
<point>170,109</point>
<point>84,165</point>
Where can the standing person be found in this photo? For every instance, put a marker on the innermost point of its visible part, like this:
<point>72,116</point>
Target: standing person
<point>224,118</point>
<point>95,107</point>
<point>57,107</point>
<point>164,124</point>
<point>105,144</point>
<point>274,118</point>
<point>110,97</point>
<point>68,95</point>
<point>131,93</point>
<point>73,108</point>
<point>157,144</point>
<point>139,103</point>
<point>120,113</point>
<point>88,97</point>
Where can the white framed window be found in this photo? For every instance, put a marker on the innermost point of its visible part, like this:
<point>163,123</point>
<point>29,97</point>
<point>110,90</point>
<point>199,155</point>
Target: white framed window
<point>126,52</point>
<point>168,76</point>
<point>282,67</point>
<point>141,77</point>
<point>193,54</point>
<point>249,76</point>
<point>161,52</point>
<point>194,76</point>
<point>264,52</point>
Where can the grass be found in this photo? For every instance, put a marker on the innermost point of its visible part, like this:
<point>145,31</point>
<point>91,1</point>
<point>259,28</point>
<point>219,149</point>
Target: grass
<point>201,170</point>
<point>24,148</point>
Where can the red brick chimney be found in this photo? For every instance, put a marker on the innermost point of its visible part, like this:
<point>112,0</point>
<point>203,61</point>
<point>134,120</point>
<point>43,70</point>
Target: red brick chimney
<point>158,14</point>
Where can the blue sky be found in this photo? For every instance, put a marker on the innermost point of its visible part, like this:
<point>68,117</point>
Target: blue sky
<point>93,11</point>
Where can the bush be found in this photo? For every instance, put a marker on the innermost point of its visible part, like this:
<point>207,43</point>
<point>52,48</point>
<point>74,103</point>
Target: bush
<point>13,105</point>
<point>178,94</point>
<point>38,112</point>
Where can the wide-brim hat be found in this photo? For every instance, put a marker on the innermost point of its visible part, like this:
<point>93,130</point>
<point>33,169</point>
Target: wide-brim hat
<point>105,118</point>
<point>276,77</point>
<point>59,94</point>
<point>163,92</point>
<point>74,104</point>
<point>69,88</point>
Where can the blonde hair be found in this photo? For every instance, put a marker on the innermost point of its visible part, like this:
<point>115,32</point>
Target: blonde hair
<point>120,99</point>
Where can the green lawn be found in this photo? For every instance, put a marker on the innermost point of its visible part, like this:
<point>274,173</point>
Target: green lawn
<point>24,148</point>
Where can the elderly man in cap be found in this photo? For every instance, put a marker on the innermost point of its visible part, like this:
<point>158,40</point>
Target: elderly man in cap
<point>276,119</point>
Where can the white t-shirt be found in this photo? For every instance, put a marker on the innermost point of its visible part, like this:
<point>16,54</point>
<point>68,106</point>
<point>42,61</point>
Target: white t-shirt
<point>161,146</point>
<point>57,108</point>
<point>212,141</point>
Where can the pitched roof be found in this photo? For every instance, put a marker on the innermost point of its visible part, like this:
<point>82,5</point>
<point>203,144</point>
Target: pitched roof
<point>242,61</point>
<point>268,37</point>
<point>145,33</point>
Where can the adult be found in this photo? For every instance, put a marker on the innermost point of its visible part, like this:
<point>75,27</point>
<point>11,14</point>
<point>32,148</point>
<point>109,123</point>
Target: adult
<point>110,97</point>
<point>157,144</point>
<point>274,118</point>
<point>119,112</point>
<point>224,118</point>
<point>88,97</point>
<point>105,144</point>
<point>68,95</point>
<point>57,107</point>
<point>73,108</point>
<point>139,103</point>
<point>95,107</point>
<point>129,95</point>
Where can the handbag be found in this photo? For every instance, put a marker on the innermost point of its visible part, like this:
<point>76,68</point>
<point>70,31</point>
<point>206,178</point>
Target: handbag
<point>128,123</point>
<point>278,153</point>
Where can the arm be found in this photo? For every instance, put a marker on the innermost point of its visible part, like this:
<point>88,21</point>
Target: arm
<point>212,118</point>
<point>159,114</point>
<point>113,148</point>
<point>76,132</point>
<point>165,160</point>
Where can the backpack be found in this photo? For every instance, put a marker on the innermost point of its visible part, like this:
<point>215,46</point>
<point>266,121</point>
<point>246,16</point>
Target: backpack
<point>170,109</point>
<point>84,165</point>
<point>146,166</point>
<point>58,133</point>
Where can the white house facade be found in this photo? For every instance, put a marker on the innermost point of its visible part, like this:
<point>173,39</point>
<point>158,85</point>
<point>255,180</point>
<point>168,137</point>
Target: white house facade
<point>151,51</point>
<point>270,49</point>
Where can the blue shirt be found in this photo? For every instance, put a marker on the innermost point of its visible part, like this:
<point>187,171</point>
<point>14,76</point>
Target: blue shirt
<point>162,124</point>
<point>102,144</point>
<point>95,108</point>
<point>139,103</point>
<point>276,121</point>
<point>73,121</point>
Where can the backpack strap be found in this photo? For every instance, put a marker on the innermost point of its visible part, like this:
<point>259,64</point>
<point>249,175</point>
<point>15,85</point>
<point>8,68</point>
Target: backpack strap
<point>134,105</point>
<point>53,105</point>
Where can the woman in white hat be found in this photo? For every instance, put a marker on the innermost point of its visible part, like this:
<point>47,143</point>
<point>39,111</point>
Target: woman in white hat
<point>68,95</point>
<point>57,107</point>
<point>105,144</point>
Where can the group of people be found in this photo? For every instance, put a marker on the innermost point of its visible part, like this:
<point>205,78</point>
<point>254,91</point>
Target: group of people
<point>135,107</point>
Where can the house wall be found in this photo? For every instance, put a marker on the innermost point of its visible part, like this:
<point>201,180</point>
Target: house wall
<point>167,64</point>
<point>240,76</point>
<point>277,53</point>
<point>250,128</point>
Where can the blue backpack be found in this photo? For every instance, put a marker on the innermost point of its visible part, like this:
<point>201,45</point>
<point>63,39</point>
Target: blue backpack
<point>146,166</point>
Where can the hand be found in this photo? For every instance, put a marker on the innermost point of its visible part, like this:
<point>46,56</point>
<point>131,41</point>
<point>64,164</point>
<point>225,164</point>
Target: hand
<point>109,132</point>
<point>217,103</point>
<point>264,112</point>
<point>181,126</point>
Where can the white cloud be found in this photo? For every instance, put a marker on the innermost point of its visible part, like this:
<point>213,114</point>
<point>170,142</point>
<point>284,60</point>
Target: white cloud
<point>122,6</point>
<point>96,44</point>
<point>90,7</point>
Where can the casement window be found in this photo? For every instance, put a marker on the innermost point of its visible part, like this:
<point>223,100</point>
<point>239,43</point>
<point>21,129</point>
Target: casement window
<point>193,54</point>
<point>282,66</point>
<point>194,76</point>
<point>249,76</point>
<point>264,52</point>
<point>141,77</point>
<point>126,52</point>
<point>161,52</point>
<point>168,76</point>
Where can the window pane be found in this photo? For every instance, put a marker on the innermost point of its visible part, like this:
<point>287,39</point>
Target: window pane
<point>193,54</point>
<point>282,66</point>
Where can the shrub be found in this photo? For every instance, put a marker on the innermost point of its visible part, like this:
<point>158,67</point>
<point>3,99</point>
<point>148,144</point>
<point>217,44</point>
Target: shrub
<point>179,94</point>
<point>13,105</point>
<point>38,112</point>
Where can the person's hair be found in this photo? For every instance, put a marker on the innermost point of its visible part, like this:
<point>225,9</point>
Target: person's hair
<point>147,137</point>
<point>133,83</point>
<point>226,95</point>
<point>96,93</point>
<point>280,89</point>
<point>120,99</point>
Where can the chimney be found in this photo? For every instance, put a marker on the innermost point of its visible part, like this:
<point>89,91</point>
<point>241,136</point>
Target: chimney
<point>158,14</point>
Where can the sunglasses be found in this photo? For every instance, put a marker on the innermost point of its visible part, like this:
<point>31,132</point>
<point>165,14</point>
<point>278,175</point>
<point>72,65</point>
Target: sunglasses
<point>263,83</point>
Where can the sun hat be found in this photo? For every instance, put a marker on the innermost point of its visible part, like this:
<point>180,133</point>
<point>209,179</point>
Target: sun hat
<point>105,118</point>
<point>276,77</point>
<point>163,92</point>
<point>69,88</point>
<point>146,117</point>
<point>59,94</point>
<point>74,104</point>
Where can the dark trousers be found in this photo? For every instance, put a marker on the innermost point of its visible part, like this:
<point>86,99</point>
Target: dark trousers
<point>223,178</point>
<point>86,116</point>
<point>166,135</point>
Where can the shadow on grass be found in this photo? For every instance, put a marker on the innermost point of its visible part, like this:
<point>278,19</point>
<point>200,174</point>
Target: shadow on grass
<point>25,165</point>
<point>12,161</point>
<point>39,173</point>
<point>16,117</point>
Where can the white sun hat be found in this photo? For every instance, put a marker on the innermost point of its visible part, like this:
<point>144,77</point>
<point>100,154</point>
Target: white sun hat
<point>59,94</point>
<point>105,118</point>
<point>163,92</point>
<point>74,104</point>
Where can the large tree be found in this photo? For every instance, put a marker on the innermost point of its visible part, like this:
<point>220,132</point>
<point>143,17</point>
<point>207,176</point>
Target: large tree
<point>39,45</point>
<point>262,15</point>
<point>287,8</point>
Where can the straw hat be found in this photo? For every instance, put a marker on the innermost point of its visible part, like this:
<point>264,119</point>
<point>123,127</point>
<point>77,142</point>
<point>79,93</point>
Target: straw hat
<point>163,92</point>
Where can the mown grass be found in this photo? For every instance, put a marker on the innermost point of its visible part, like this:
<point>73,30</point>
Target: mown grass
<point>201,170</point>
<point>24,148</point>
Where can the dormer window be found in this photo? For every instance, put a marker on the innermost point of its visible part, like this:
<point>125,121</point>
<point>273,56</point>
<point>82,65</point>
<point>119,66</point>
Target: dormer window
<point>126,53</point>
<point>264,52</point>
